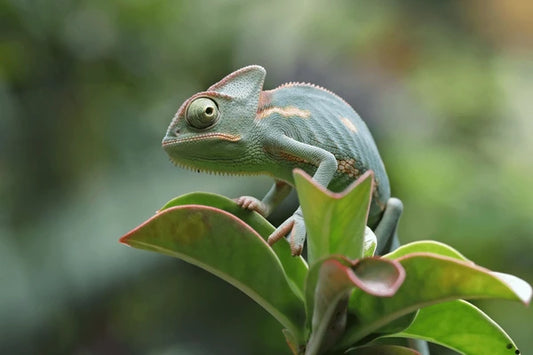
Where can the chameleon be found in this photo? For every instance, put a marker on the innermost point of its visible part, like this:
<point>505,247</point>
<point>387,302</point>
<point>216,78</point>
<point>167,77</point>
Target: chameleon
<point>236,127</point>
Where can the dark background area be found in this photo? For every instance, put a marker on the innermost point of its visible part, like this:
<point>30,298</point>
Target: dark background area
<point>87,89</point>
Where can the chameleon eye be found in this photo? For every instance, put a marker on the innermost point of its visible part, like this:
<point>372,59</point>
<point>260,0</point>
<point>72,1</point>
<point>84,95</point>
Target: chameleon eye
<point>202,113</point>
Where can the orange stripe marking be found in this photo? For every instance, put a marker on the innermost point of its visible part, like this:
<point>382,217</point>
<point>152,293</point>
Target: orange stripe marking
<point>289,111</point>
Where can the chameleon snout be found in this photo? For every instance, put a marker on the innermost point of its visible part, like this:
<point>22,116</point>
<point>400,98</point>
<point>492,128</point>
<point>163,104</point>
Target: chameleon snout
<point>168,140</point>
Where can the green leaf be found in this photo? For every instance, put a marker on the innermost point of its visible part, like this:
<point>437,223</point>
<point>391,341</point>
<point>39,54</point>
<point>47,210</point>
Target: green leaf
<point>519,286</point>
<point>292,342</point>
<point>295,267</point>
<point>337,276</point>
<point>426,246</point>
<point>370,243</point>
<point>396,326</point>
<point>335,222</point>
<point>382,350</point>
<point>462,327</point>
<point>430,279</point>
<point>376,276</point>
<point>224,245</point>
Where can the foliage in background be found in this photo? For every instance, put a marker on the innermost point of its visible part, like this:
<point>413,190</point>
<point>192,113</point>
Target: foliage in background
<point>87,89</point>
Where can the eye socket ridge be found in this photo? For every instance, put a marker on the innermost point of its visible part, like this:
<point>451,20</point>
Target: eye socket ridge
<point>202,113</point>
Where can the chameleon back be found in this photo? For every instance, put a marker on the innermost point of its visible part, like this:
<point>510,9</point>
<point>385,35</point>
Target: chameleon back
<point>316,116</point>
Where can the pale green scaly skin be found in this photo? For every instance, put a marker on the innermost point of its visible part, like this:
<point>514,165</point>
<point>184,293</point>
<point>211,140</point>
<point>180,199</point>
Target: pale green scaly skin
<point>234,127</point>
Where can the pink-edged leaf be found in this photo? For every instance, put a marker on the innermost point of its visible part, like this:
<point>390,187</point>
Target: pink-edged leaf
<point>460,326</point>
<point>382,350</point>
<point>224,245</point>
<point>292,342</point>
<point>430,279</point>
<point>295,266</point>
<point>520,287</point>
<point>335,222</point>
<point>426,246</point>
<point>377,276</point>
<point>330,284</point>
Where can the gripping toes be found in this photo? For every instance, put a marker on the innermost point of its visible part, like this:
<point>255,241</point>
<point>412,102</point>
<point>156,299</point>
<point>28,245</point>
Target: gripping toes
<point>295,228</point>
<point>251,203</point>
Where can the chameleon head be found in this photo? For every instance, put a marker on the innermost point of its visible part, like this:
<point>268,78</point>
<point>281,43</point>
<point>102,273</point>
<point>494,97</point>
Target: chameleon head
<point>210,130</point>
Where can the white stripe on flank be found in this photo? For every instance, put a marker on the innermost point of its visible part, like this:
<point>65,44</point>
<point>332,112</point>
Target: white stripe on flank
<point>349,124</point>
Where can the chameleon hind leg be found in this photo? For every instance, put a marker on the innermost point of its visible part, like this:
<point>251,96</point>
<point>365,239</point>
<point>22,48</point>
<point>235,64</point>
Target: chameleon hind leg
<point>386,233</point>
<point>386,230</point>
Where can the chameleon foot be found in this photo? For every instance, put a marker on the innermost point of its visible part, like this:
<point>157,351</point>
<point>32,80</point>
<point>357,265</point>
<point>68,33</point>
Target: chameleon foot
<point>295,228</point>
<point>252,204</point>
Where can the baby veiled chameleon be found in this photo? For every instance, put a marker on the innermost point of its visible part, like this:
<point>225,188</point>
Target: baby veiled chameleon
<point>235,127</point>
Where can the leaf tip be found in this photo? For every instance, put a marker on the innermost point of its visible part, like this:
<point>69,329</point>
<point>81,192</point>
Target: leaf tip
<point>521,288</point>
<point>124,239</point>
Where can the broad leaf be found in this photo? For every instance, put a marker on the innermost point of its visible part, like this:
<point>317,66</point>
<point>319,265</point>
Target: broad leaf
<point>224,245</point>
<point>292,342</point>
<point>430,279</point>
<point>335,222</point>
<point>332,280</point>
<point>460,326</point>
<point>395,326</point>
<point>370,243</point>
<point>295,267</point>
<point>382,350</point>
<point>426,246</point>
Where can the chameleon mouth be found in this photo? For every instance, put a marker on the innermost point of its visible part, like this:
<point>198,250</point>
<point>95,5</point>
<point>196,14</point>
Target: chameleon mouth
<point>193,166</point>
<point>201,137</point>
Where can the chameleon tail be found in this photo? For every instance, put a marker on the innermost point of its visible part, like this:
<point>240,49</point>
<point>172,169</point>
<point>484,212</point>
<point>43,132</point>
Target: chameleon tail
<point>386,230</point>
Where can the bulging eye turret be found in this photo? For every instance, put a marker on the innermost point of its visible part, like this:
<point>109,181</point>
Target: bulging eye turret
<point>202,113</point>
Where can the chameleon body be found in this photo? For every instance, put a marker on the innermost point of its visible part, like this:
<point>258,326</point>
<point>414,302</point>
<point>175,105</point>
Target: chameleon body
<point>237,128</point>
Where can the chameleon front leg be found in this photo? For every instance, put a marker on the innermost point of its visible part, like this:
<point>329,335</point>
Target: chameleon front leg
<point>277,193</point>
<point>326,164</point>
<point>387,226</point>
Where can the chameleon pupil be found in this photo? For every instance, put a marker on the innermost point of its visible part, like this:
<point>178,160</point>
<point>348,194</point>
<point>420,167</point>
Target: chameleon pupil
<point>209,111</point>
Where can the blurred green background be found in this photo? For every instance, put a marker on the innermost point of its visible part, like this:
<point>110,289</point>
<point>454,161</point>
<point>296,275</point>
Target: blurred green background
<point>87,89</point>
